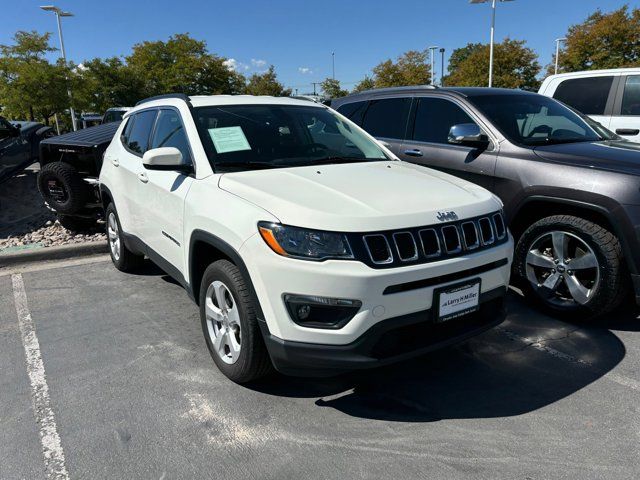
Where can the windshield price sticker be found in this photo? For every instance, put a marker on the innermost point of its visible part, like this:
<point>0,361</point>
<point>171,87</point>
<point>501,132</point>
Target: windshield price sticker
<point>229,139</point>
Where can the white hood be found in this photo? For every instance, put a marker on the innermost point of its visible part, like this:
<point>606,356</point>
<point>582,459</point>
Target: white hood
<point>358,197</point>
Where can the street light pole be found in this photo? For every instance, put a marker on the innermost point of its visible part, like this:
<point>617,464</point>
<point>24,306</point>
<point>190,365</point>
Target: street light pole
<point>493,27</point>
<point>333,65</point>
<point>558,40</point>
<point>442,67</point>
<point>433,63</point>
<point>59,13</point>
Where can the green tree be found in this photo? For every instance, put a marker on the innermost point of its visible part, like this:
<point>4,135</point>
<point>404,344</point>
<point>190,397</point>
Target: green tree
<point>514,66</point>
<point>182,64</point>
<point>410,68</point>
<point>100,84</point>
<point>30,86</point>
<point>331,88</point>
<point>266,84</point>
<point>366,83</point>
<point>603,40</point>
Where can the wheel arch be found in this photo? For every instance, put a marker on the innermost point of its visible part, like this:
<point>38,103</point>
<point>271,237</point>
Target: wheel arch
<point>536,207</point>
<point>206,248</point>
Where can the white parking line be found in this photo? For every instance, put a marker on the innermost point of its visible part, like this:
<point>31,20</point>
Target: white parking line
<point>541,346</point>
<point>51,447</point>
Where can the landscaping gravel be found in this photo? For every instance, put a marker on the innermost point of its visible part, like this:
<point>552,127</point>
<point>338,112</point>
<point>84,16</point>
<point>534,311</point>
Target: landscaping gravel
<point>25,221</point>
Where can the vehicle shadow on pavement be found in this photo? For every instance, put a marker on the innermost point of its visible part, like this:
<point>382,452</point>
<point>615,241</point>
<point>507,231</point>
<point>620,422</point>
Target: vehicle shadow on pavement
<point>528,362</point>
<point>22,209</point>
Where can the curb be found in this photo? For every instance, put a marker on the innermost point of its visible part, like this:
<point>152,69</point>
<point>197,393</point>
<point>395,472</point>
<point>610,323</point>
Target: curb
<point>54,253</point>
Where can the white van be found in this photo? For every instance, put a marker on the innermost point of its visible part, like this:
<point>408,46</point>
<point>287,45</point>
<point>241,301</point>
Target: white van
<point>611,97</point>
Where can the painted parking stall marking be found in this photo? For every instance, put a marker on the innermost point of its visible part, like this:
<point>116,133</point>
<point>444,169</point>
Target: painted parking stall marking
<point>55,465</point>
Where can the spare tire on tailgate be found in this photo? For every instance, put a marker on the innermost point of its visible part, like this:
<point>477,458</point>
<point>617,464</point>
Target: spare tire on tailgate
<point>62,187</point>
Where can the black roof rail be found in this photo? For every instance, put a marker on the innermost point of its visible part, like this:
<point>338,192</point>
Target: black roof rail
<point>400,89</point>
<point>179,96</point>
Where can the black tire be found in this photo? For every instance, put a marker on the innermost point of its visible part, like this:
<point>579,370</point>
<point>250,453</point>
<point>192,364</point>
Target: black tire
<point>62,187</point>
<point>253,361</point>
<point>76,224</point>
<point>613,282</point>
<point>124,259</point>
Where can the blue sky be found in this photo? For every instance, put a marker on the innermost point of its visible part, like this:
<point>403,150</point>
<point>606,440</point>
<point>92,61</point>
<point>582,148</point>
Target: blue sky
<point>298,37</point>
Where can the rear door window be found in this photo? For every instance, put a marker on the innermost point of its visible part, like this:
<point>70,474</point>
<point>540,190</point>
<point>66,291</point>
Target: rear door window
<point>387,117</point>
<point>631,96</point>
<point>587,95</point>
<point>434,119</point>
<point>138,138</point>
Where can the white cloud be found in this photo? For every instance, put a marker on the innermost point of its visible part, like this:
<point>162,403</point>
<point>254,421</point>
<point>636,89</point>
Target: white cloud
<point>305,70</point>
<point>235,65</point>
<point>258,63</point>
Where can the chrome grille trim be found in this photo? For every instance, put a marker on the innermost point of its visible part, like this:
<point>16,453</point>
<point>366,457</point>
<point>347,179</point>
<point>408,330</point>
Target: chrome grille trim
<point>457,249</point>
<point>366,244</point>
<point>415,247</point>
<point>500,219</point>
<point>491,239</point>
<point>476,243</point>
<point>424,252</point>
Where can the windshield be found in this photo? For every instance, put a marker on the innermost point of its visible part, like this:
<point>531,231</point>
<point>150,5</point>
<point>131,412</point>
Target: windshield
<point>246,137</point>
<point>535,119</point>
<point>113,116</point>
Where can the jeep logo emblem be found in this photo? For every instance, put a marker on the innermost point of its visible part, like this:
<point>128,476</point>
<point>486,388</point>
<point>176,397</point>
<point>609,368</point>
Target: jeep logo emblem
<point>447,216</point>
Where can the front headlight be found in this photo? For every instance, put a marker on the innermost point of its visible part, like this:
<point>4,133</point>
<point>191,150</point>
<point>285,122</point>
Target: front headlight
<point>306,244</point>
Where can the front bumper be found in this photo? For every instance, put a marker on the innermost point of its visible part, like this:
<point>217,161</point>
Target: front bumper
<point>386,294</point>
<point>389,341</point>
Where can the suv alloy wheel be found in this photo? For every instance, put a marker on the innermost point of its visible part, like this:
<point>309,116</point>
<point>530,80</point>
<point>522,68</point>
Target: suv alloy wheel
<point>571,265</point>
<point>230,325</point>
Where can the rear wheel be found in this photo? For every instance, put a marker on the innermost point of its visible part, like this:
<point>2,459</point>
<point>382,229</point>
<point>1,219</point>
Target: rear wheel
<point>123,258</point>
<point>230,325</point>
<point>571,266</point>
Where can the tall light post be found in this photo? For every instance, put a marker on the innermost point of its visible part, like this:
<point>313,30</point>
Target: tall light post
<point>433,63</point>
<point>441,67</point>
<point>558,40</point>
<point>333,65</point>
<point>60,13</point>
<point>493,27</point>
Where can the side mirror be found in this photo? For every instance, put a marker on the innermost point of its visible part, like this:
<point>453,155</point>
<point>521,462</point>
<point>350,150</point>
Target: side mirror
<point>164,158</point>
<point>468,134</point>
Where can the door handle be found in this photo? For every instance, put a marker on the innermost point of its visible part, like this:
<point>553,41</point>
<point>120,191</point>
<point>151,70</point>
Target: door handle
<point>414,152</point>
<point>115,162</point>
<point>627,131</point>
<point>142,176</point>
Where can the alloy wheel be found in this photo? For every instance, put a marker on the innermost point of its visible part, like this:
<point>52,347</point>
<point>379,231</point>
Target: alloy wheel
<point>223,322</point>
<point>114,235</point>
<point>563,269</point>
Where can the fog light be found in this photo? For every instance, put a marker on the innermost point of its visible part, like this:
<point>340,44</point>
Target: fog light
<point>304,311</point>
<point>321,312</point>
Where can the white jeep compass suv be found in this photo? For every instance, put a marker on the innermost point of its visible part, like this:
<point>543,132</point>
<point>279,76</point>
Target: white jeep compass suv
<point>307,245</point>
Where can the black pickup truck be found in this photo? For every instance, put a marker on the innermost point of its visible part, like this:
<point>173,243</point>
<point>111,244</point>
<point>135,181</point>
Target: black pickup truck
<point>68,179</point>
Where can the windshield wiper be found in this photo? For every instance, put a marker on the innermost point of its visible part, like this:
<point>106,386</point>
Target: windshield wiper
<point>329,160</point>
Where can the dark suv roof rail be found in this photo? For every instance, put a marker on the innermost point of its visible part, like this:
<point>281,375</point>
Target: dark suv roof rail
<point>399,89</point>
<point>180,96</point>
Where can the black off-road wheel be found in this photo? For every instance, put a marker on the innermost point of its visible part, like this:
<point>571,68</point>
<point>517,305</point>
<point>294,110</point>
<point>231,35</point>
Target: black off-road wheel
<point>571,267</point>
<point>62,188</point>
<point>124,259</point>
<point>230,325</point>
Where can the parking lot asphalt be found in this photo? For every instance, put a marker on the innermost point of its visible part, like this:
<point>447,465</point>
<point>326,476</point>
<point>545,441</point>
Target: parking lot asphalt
<point>131,392</point>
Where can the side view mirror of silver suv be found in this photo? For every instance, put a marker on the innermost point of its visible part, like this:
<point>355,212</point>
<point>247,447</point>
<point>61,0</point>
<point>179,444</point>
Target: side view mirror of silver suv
<point>468,134</point>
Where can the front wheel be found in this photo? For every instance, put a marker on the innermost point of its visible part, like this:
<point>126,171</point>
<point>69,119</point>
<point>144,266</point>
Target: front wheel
<point>571,266</point>
<point>230,325</point>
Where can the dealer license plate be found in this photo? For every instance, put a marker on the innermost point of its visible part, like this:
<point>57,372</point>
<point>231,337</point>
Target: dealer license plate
<point>457,300</point>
